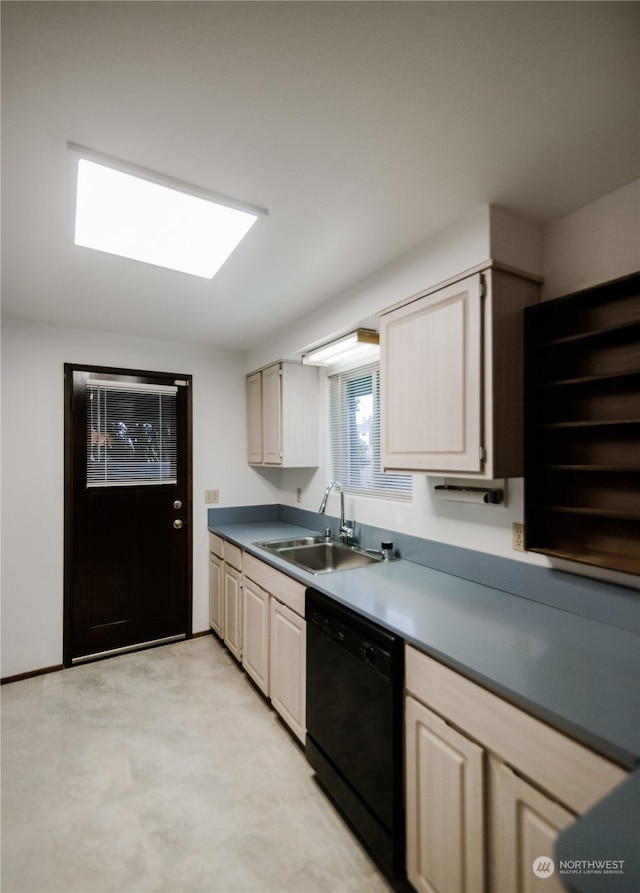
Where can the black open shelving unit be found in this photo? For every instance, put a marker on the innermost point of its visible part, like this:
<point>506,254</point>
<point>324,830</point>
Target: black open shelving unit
<point>582,426</point>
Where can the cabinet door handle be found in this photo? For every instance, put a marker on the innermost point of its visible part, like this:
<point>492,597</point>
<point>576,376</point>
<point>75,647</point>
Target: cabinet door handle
<point>177,524</point>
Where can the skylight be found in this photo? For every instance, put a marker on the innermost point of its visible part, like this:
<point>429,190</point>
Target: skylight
<point>132,216</point>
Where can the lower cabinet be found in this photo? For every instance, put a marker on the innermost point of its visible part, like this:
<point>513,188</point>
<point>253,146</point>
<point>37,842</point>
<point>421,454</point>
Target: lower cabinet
<point>528,823</point>
<point>289,666</point>
<point>488,786</point>
<point>274,647</point>
<point>225,593</point>
<point>255,646</point>
<point>232,584</point>
<point>445,776</point>
<point>216,585</point>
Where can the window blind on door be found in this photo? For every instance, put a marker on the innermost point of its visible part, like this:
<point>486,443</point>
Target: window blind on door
<point>131,433</point>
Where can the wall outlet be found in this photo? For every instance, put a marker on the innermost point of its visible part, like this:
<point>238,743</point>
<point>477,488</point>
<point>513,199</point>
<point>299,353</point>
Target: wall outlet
<point>211,496</point>
<point>298,494</point>
<point>517,531</point>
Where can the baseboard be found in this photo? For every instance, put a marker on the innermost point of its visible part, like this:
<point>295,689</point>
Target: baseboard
<point>42,672</point>
<point>6,679</point>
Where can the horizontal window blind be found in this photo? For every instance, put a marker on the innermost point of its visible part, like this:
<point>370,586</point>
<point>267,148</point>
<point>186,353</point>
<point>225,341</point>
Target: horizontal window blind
<point>354,427</point>
<point>131,434</point>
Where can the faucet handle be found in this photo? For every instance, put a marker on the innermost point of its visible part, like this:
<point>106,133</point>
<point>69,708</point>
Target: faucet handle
<point>346,533</point>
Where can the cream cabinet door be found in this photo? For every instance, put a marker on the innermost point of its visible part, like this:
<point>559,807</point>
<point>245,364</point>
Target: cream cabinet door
<point>431,381</point>
<point>523,826</point>
<point>272,415</point>
<point>233,610</point>
<point>254,418</point>
<point>288,666</point>
<point>255,639</point>
<point>445,805</point>
<point>216,599</point>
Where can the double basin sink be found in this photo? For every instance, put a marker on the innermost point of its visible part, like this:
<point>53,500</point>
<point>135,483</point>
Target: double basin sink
<point>320,554</point>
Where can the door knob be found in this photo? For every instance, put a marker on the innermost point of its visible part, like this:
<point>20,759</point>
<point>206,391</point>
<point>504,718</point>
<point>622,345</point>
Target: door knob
<point>177,524</point>
<point>177,504</point>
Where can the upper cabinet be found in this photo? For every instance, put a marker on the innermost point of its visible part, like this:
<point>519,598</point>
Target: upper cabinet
<point>451,378</point>
<point>254,418</point>
<point>282,416</point>
<point>582,424</point>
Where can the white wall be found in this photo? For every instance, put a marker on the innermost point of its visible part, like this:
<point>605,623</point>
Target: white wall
<point>32,468</point>
<point>570,261</point>
<point>595,244</point>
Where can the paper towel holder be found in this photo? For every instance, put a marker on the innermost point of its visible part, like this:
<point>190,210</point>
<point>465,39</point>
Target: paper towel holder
<point>490,493</point>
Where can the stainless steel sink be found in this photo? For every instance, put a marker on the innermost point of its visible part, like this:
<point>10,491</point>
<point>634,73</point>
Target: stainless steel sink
<point>317,555</point>
<point>276,545</point>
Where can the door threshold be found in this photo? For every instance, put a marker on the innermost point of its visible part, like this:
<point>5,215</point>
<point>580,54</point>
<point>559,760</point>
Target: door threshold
<point>99,655</point>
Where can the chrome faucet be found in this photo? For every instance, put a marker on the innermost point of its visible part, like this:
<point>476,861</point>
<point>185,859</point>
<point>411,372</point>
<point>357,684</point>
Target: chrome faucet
<point>346,532</point>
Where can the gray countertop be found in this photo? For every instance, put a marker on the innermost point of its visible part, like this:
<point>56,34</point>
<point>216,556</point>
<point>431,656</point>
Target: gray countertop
<point>578,674</point>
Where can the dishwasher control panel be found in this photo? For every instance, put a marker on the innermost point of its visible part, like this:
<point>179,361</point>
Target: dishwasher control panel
<point>365,640</point>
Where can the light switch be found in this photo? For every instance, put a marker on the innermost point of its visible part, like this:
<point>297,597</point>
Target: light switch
<point>211,496</point>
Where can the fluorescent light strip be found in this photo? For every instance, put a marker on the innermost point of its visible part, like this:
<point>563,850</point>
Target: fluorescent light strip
<point>138,216</point>
<point>357,345</point>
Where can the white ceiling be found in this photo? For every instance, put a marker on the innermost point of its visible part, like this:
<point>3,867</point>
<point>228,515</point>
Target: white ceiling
<point>364,128</point>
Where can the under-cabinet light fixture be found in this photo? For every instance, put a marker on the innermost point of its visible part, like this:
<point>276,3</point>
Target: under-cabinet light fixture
<point>363,344</point>
<point>140,214</point>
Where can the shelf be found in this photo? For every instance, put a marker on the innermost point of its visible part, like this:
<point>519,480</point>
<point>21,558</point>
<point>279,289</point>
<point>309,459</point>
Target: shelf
<point>593,379</point>
<point>592,424</point>
<point>582,431</point>
<point>626,563</point>
<point>618,469</point>
<point>588,512</point>
<point>593,334</point>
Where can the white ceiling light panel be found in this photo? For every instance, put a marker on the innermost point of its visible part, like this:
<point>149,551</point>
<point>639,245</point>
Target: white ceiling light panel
<point>131,216</point>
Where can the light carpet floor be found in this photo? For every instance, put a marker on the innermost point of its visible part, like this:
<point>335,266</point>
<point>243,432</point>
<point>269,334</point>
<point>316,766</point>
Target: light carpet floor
<point>164,770</point>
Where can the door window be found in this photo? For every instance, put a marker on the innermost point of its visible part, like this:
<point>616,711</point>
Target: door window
<point>131,433</point>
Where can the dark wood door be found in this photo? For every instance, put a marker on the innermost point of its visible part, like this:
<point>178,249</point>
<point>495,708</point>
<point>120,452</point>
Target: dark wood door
<point>127,509</point>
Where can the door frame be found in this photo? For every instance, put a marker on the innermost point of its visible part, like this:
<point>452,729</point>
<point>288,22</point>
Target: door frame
<point>69,369</point>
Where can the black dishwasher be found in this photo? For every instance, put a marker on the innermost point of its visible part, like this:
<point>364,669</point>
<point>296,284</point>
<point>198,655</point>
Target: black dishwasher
<point>354,742</point>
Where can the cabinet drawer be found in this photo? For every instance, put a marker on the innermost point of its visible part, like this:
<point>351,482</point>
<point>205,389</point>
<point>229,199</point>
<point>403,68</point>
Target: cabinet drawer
<point>571,772</point>
<point>233,555</point>
<point>216,545</point>
<point>286,590</point>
